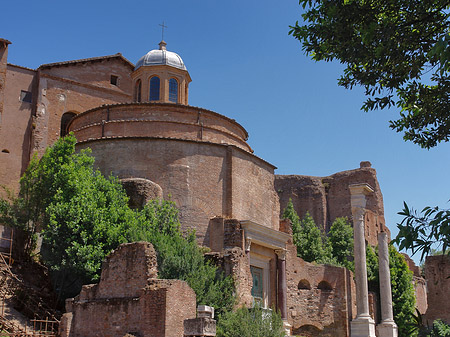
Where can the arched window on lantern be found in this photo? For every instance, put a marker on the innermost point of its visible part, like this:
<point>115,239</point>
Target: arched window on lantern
<point>173,90</point>
<point>137,91</point>
<point>154,89</point>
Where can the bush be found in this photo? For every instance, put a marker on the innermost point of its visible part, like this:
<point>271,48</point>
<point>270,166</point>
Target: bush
<point>255,322</point>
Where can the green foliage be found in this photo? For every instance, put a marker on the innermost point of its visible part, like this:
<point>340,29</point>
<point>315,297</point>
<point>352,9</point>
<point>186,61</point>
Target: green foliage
<point>397,50</point>
<point>439,329</point>
<point>425,231</point>
<point>403,297</point>
<point>314,246</point>
<point>340,240</point>
<point>180,257</point>
<point>308,239</point>
<point>255,322</point>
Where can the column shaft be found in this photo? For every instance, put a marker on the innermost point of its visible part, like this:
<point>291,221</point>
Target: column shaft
<point>362,291</point>
<point>385,278</point>
<point>282,305</point>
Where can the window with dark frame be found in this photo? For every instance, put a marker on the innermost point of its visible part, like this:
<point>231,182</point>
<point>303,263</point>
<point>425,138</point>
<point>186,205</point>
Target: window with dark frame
<point>115,80</point>
<point>26,96</point>
<point>154,89</point>
<point>173,90</point>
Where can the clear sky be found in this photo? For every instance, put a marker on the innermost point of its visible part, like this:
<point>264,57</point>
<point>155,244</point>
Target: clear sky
<point>243,65</point>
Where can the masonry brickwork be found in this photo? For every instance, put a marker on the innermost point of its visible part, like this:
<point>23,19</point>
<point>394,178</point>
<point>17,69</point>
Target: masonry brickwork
<point>129,299</point>
<point>437,274</point>
<point>321,298</point>
<point>327,198</point>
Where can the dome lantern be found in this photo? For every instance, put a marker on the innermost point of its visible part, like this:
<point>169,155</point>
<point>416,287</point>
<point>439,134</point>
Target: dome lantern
<point>161,76</point>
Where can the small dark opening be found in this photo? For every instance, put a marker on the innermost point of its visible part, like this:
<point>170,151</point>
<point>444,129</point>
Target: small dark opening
<point>324,285</point>
<point>304,284</point>
<point>5,151</point>
<point>26,96</point>
<point>114,80</point>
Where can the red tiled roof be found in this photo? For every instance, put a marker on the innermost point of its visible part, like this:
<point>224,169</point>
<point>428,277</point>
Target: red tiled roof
<point>92,59</point>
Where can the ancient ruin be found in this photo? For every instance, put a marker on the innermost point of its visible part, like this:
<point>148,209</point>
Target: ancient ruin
<point>137,121</point>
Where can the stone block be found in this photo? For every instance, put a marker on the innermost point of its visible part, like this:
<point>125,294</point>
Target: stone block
<point>200,326</point>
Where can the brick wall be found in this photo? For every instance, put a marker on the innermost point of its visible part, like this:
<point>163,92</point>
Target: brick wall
<point>327,198</point>
<point>129,299</point>
<point>320,298</point>
<point>437,274</point>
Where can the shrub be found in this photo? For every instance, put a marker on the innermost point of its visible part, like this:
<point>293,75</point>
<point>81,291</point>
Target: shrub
<point>255,322</point>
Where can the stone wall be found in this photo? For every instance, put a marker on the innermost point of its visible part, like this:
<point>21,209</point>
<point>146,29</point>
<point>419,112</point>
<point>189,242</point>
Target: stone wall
<point>129,299</point>
<point>321,299</point>
<point>437,274</point>
<point>327,198</point>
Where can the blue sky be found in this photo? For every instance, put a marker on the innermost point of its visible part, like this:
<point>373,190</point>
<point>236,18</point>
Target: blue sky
<point>243,65</point>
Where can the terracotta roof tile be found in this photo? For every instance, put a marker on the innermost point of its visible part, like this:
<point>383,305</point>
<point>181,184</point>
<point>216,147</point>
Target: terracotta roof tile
<point>91,59</point>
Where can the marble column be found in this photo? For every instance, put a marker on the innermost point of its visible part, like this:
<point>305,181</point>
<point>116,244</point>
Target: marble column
<point>387,327</point>
<point>363,325</point>
<point>282,288</point>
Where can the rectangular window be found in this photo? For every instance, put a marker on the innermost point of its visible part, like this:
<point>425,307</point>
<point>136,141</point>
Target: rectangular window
<point>115,80</point>
<point>257,287</point>
<point>25,96</point>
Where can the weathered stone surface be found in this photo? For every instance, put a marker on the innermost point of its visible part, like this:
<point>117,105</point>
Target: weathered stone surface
<point>327,198</point>
<point>320,298</point>
<point>201,326</point>
<point>130,300</point>
<point>437,274</point>
<point>140,191</point>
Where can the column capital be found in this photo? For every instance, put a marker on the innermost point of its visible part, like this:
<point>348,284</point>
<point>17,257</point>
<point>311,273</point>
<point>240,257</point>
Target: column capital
<point>281,253</point>
<point>358,213</point>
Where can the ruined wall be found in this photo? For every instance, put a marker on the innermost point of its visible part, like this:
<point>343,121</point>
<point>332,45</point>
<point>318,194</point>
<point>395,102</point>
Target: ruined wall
<point>437,274</point>
<point>320,298</point>
<point>327,198</point>
<point>129,299</point>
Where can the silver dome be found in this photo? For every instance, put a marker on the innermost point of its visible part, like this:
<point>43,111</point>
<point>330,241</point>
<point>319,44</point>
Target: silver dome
<point>161,56</point>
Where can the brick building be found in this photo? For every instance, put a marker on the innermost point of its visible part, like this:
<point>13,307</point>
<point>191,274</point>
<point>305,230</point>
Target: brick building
<point>140,127</point>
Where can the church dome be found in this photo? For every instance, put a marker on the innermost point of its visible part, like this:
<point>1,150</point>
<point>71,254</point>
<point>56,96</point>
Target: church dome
<point>161,56</point>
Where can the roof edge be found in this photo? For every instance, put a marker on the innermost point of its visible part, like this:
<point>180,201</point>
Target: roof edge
<point>91,59</point>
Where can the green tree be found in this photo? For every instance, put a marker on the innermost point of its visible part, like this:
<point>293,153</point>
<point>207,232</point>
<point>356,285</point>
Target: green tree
<point>397,50</point>
<point>340,239</point>
<point>424,232</point>
<point>255,322</point>
<point>290,213</point>
<point>403,296</point>
<point>310,242</point>
<point>180,257</point>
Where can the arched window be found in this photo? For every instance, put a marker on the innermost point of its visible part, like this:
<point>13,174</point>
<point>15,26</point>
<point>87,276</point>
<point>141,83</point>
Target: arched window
<point>154,89</point>
<point>65,119</point>
<point>137,91</point>
<point>173,90</point>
